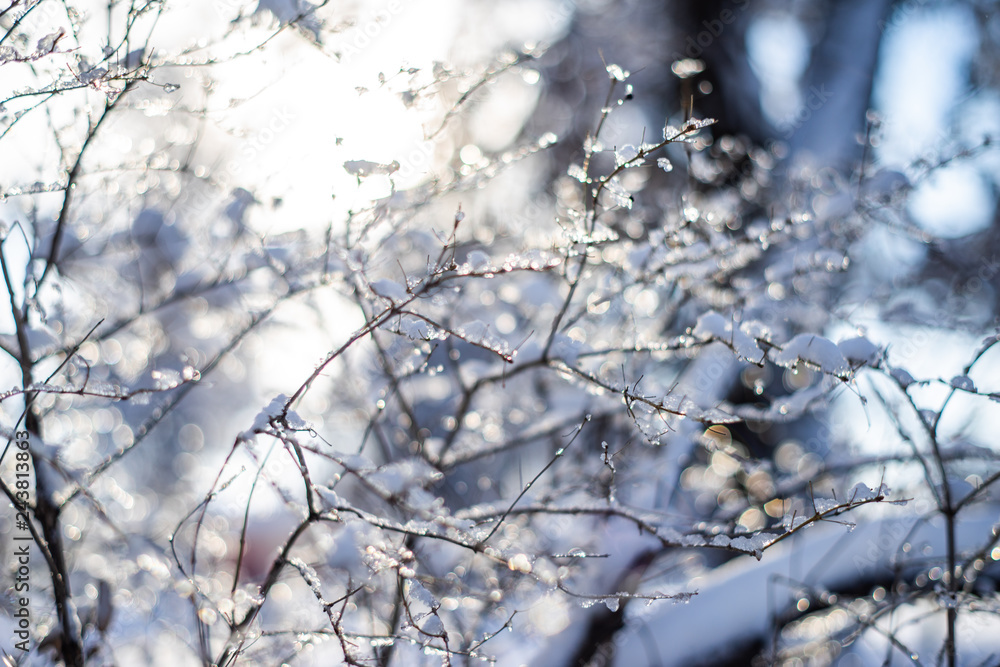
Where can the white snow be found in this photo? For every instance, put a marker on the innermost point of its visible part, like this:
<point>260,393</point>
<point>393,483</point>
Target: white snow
<point>567,349</point>
<point>48,43</point>
<point>263,419</point>
<point>859,351</point>
<point>626,154</point>
<point>815,351</point>
<point>298,11</point>
<point>389,289</point>
<point>418,592</point>
<point>362,168</point>
<point>618,192</point>
<point>617,73</point>
<point>738,600</point>
<point>519,563</point>
<point>753,544</point>
<point>399,476</point>
<point>713,326</point>
<point>575,171</point>
<point>329,497</point>
<point>478,333</point>
<point>415,328</point>
<point>861,492</point>
<point>478,260</point>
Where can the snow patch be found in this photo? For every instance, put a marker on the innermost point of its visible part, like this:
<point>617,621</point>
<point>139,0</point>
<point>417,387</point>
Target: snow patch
<point>815,351</point>
<point>859,351</point>
<point>389,289</point>
<point>263,419</point>
<point>713,326</point>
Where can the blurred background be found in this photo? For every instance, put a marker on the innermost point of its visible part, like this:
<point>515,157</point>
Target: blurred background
<point>273,173</point>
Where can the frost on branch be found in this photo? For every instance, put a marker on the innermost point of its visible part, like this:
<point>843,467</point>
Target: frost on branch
<point>627,154</point>
<point>859,351</point>
<point>416,328</point>
<point>814,351</point>
<point>390,289</point>
<point>619,194</point>
<point>363,168</point>
<point>479,334</point>
<point>509,387</point>
<point>712,326</point>
<point>617,73</point>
